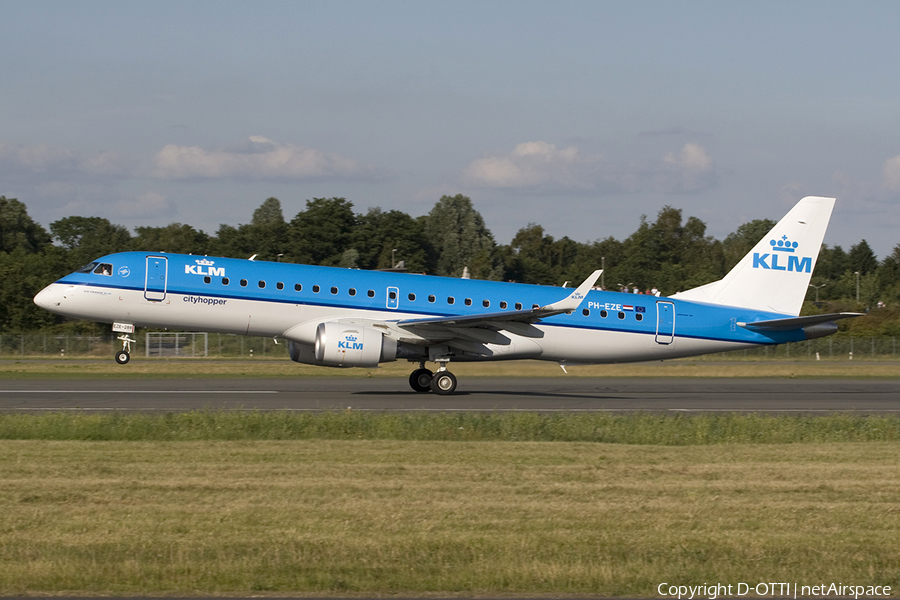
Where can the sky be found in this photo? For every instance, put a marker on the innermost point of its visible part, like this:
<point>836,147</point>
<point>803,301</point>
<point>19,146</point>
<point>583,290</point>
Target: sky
<point>578,116</point>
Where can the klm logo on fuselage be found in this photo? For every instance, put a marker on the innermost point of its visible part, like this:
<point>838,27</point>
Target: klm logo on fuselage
<point>349,343</point>
<point>782,252</point>
<point>204,267</point>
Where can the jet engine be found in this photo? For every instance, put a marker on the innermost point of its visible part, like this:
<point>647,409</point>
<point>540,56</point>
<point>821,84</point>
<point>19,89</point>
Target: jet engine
<point>345,345</point>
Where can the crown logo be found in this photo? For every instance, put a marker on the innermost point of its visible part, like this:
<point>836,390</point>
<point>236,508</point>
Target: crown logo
<point>204,262</point>
<point>350,338</point>
<point>783,245</point>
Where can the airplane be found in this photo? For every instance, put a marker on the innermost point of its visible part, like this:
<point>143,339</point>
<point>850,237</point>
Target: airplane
<point>341,317</point>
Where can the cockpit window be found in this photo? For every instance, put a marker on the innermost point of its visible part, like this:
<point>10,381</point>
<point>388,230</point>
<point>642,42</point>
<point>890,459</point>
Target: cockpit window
<point>103,269</point>
<point>87,268</point>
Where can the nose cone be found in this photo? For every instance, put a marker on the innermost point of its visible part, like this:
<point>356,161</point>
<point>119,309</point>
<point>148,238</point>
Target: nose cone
<point>50,297</point>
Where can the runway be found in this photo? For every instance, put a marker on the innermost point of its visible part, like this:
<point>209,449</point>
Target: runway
<point>550,394</point>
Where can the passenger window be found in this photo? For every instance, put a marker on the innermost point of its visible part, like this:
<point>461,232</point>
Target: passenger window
<point>621,315</point>
<point>352,291</point>
<point>450,299</point>
<point>103,269</point>
<point>334,290</point>
<point>486,303</point>
<point>316,289</point>
<point>207,279</point>
<point>586,312</point>
<point>503,304</point>
<point>412,297</point>
<point>534,306</point>
<point>518,306</point>
<point>431,298</point>
<point>638,317</point>
<point>279,285</point>
<point>225,281</point>
<point>243,283</point>
<point>603,314</point>
<point>261,284</point>
<point>468,302</point>
<point>298,287</point>
<point>370,293</point>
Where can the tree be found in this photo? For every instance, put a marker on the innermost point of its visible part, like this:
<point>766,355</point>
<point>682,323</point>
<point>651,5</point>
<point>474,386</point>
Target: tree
<point>670,256</point>
<point>174,237</point>
<point>266,235</point>
<point>736,245</point>
<point>832,263</point>
<point>22,275</point>
<point>530,259</point>
<point>460,239</point>
<point>268,231</point>
<point>862,258</point>
<point>889,276</point>
<point>18,230</point>
<point>382,237</point>
<point>320,234</point>
<point>88,238</point>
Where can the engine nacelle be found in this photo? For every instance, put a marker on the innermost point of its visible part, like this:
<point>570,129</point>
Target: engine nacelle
<point>346,345</point>
<point>302,353</point>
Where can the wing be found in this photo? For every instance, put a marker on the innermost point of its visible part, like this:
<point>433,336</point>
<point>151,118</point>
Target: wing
<point>471,332</point>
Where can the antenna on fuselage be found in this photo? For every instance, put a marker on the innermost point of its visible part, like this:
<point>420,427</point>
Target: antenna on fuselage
<point>253,257</point>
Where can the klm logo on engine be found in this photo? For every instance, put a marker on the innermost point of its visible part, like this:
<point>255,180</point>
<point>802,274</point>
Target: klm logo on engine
<point>349,343</point>
<point>204,267</point>
<point>783,253</point>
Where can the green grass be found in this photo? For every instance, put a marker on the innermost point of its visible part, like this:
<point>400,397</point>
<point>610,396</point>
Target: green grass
<point>328,517</point>
<point>358,503</point>
<point>644,429</point>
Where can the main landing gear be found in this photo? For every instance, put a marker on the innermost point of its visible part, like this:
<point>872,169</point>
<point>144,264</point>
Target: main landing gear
<point>443,382</point>
<point>124,355</point>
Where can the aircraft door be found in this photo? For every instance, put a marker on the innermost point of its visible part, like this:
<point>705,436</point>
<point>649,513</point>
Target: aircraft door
<point>155,278</point>
<point>665,322</point>
<point>393,298</point>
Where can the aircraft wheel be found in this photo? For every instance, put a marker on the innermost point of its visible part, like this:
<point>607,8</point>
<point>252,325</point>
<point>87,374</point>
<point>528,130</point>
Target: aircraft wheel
<point>122,357</point>
<point>443,383</point>
<point>420,380</point>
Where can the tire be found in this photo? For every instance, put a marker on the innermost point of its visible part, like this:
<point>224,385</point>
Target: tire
<point>420,380</point>
<point>443,383</point>
<point>122,357</point>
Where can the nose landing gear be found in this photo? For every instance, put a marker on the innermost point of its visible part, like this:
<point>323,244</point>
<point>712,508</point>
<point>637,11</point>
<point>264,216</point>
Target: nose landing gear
<point>124,355</point>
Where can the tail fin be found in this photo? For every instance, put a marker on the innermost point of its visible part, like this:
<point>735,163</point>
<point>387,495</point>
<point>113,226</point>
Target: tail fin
<point>774,276</point>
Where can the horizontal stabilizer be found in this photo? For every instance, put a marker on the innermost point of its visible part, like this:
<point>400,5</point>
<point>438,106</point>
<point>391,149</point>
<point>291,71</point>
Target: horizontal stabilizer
<point>797,322</point>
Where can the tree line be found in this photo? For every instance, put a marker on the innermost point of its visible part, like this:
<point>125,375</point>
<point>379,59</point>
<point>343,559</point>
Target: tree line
<point>668,254</point>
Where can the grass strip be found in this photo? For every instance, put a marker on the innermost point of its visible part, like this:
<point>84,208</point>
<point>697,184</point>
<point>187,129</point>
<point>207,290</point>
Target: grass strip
<point>441,518</point>
<point>642,429</point>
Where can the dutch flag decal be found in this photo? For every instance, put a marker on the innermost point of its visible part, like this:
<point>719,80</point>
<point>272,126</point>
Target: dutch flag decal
<point>627,307</point>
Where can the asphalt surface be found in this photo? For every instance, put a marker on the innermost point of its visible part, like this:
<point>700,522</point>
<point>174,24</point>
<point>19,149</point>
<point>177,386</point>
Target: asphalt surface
<point>572,394</point>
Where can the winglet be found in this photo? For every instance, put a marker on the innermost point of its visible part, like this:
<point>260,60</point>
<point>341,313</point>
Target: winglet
<point>574,299</point>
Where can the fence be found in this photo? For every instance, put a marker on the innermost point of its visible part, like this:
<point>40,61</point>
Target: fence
<point>150,343</point>
<point>827,348</point>
<point>167,344</point>
<point>200,344</point>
